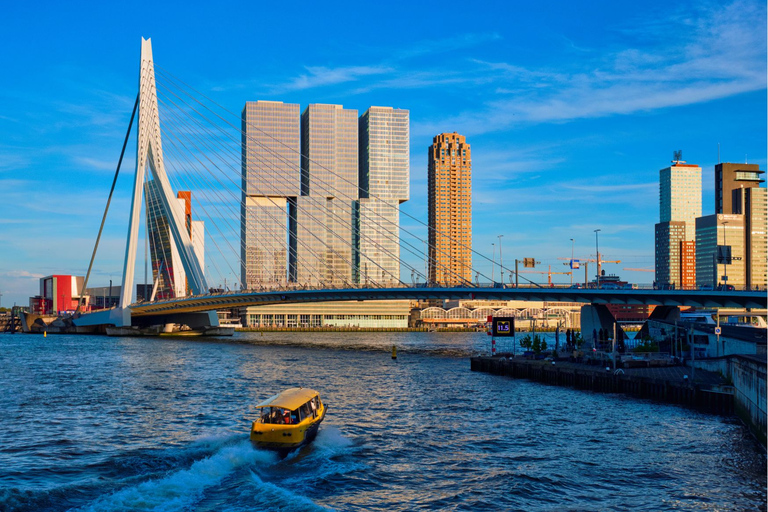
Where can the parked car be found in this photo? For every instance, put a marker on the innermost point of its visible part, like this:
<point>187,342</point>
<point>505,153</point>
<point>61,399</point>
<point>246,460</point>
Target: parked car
<point>725,288</point>
<point>706,287</point>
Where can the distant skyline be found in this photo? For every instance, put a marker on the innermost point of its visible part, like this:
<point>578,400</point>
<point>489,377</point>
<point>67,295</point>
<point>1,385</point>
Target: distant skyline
<point>571,110</point>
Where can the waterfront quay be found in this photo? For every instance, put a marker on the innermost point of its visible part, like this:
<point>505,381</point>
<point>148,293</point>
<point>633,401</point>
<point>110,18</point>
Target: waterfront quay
<point>701,389</point>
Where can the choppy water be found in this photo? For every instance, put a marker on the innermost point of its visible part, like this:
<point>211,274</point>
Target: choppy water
<point>94,423</point>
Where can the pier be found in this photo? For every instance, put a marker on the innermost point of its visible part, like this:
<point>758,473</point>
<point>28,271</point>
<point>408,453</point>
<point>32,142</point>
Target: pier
<point>709,391</point>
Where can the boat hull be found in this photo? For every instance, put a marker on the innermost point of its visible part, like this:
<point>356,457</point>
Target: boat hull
<point>285,438</point>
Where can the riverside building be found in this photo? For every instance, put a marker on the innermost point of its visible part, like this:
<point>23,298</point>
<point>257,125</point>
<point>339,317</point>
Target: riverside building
<point>675,234</point>
<point>271,177</point>
<point>384,185</point>
<point>326,225</point>
<point>450,210</point>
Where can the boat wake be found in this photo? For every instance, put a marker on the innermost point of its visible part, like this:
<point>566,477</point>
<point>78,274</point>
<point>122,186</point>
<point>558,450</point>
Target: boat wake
<point>181,489</point>
<point>260,477</point>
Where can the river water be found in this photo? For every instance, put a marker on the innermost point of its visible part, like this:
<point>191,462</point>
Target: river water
<point>96,423</point>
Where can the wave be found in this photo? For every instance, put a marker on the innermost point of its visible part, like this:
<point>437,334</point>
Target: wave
<point>181,489</point>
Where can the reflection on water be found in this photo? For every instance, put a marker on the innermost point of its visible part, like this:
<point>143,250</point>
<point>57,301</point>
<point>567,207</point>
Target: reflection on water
<point>93,423</point>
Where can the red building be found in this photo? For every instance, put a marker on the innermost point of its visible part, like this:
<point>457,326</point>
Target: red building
<point>58,294</point>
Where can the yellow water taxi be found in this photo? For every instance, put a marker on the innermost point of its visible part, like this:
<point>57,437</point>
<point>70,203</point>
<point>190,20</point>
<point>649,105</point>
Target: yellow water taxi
<point>288,419</point>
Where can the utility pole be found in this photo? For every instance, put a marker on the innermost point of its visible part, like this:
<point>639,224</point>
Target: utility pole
<point>516,273</point>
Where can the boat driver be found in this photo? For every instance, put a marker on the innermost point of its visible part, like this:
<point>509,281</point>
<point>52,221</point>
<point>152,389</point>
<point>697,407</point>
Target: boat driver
<point>287,417</point>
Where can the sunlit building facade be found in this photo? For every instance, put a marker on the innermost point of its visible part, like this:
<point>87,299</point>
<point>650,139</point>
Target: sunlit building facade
<point>752,203</point>
<point>326,238</point>
<point>450,210</point>
<point>675,240</point>
<point>384,184</point>
<point>271,180</point>
<point>714,264</point>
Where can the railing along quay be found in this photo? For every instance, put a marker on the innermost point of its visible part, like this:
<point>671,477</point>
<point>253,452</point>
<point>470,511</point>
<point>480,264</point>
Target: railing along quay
<point>703,396</point>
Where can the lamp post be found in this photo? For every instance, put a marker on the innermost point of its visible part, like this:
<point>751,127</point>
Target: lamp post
<point>501,262</point>
<point>493,262</point>
<point>571,261</point>
<point>597,250</point>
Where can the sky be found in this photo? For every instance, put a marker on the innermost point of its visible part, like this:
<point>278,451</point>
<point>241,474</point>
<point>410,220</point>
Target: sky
<point>571,110</point>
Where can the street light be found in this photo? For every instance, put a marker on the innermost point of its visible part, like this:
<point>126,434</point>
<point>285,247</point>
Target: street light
<point>493,262</point>
<point>597,250</point>
<point>571,261</point>
<point>501,261</point>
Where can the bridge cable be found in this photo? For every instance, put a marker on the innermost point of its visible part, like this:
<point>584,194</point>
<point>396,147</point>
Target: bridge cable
<point>106,208</point>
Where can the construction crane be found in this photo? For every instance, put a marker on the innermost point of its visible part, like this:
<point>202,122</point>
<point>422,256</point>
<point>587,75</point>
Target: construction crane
<point>586,262</point>
<point>549,273</point>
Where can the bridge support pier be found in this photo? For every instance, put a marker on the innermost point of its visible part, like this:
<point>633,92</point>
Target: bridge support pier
<point>119,322</point>
<point>595,317</point>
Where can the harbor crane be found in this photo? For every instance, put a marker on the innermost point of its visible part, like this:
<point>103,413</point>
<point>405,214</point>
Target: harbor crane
<point>586,261</point>
<point>549,274</point>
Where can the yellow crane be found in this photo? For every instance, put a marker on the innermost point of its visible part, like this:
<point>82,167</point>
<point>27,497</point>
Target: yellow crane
<point>586,262</point>
<point>549,273</point>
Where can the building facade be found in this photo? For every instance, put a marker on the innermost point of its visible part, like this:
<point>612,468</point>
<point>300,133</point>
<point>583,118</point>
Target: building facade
<point>168,275</point>
<point>384,152</point>
<point>675,257</point>
<point>752,203</point>
<point>680,195</point>
<point>271,180</point>
<point>675,240</point>
<point>326,245</point>
<point>450,210</point>
<point>345,314</point>
<point>729,177</point>
<point>720,250</point>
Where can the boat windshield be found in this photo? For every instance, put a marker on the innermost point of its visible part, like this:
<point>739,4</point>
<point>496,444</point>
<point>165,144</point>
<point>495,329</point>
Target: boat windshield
<point>282,416</point>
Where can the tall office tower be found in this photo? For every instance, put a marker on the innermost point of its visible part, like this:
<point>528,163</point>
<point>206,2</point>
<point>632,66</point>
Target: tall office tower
<point>729,177</point>
<point>271,180</point>
<point>679,202</point>
<point>752,203</point>
<point>680,195</point>
<point>168,272</point>
<point>384,185</point>
<point>326,244</point>
<point>720,250</point>
<point>450,210</point>
<point>675,257</point>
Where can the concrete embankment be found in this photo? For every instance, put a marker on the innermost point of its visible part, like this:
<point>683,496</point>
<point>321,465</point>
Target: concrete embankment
<point>703,390</point>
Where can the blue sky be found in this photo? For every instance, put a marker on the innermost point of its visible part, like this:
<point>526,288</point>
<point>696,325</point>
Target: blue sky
<point>571,109</point>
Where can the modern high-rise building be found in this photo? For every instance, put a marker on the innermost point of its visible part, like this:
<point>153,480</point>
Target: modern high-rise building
<point>679,206</point>
<point>720,255</point>
<point>729,177</point>
<point>680,195</point>
<point>271,180</point>
<point>450,210</point>
<point>752,203</point>
<point>326,241</point>
<point>384,184</point>
<point>675,257</point>
<point>168,274</point>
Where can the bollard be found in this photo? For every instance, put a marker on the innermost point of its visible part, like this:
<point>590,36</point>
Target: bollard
<point>394,352</point>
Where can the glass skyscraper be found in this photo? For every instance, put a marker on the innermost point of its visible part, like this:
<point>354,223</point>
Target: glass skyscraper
<point>326,234</point>
<point>271,177</point>
<point>384,185</point>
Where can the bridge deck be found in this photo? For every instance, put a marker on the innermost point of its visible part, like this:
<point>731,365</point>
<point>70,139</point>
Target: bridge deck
<point>698,298</point>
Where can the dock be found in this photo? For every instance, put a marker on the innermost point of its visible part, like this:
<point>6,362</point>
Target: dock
<point>709,391</point>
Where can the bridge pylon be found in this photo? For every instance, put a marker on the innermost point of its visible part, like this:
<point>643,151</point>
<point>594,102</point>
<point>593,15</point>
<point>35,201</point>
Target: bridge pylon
<point>149,157</point>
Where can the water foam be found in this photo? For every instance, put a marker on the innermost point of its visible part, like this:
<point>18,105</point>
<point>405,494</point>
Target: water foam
<point>181,489</point>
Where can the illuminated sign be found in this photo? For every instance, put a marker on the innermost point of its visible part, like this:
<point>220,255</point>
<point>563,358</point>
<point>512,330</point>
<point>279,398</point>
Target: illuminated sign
<point>503,326</point>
